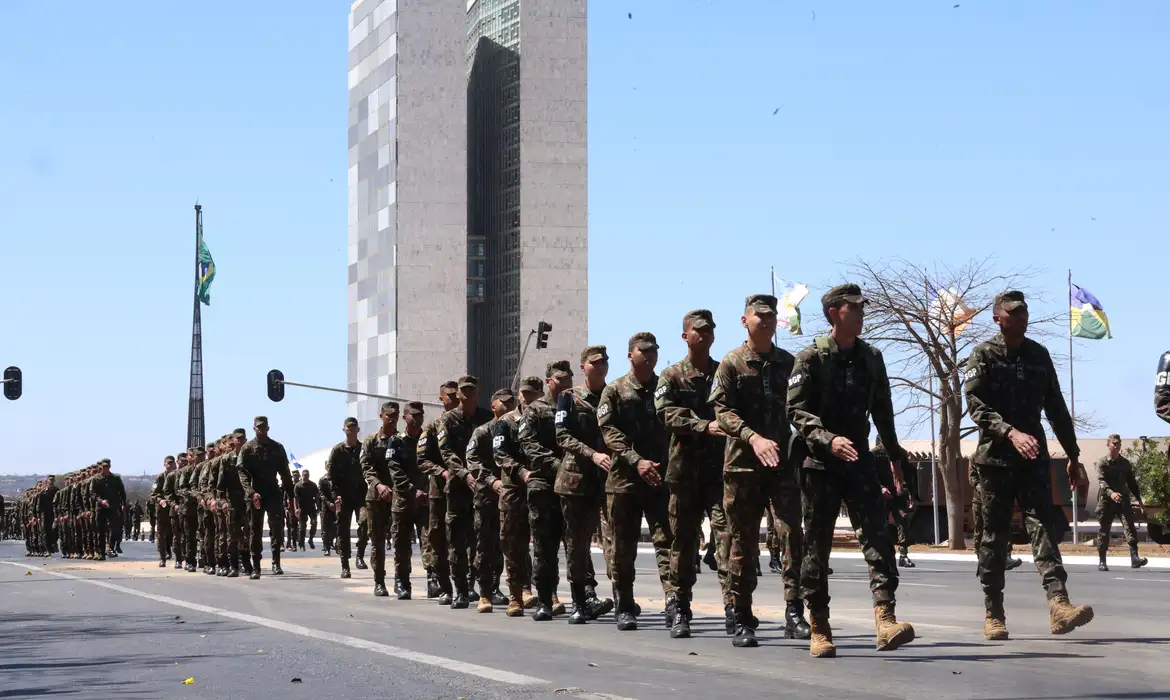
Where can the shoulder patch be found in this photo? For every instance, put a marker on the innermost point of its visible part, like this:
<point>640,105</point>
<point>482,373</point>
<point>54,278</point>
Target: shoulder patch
<point>971,373</point>
<point>442,434</point>
<point>796,379</point>
<point>422,441</point>
<point>603,410</point>
<point>391,452</point>
<point>470,447</point>
<point>560,417</point>
<point>661,391</point>
<point>522,425</point>
<point>497,442</point>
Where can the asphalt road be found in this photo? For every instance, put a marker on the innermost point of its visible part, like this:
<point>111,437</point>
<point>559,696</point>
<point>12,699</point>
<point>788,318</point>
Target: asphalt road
<point>126,629</point>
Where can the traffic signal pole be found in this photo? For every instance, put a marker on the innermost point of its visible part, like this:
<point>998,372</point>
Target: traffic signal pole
<point>520,365</point>
<point>279,380</point>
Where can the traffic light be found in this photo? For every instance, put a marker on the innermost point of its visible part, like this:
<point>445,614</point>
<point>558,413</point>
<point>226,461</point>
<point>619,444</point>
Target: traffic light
<point>542,330</point>
<point>276,385</point>
<point>13,383</point>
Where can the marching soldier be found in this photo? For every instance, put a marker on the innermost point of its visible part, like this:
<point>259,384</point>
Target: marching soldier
<point>1116,485</point>
<point>481,465</point>
<point>431,464</point>
<point>514,528</point>
<point>379,452</point>
<point>260,461</point>
<point>349,491</point>
<point>307,497</point>
<point>409,508</point>
<point>328,512</point>
<point>162,511</point>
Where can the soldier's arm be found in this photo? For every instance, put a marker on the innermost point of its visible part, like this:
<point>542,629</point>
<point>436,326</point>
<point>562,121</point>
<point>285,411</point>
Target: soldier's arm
<point>1134,487</point>
<point>425,464</point>
<point>882,411</point>
<point>475,466</point>
<point>285,472</point>
<point>725,400</point>
<point>1057,411</point>
<point>1102,482</point>
<point>540,459</point>
<point>616,440</point>
<point>977,390</point>
<point>1162,388</point>
<point>245,465</point>
<point>565,421</point>
<point>452,460</point>
<point>676,417</point>
<point>804,398</point>
<point>369,463</point>
<point>503,448</point>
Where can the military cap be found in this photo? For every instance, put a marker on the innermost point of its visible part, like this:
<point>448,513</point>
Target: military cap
<point>468,380</point>
<point>260,420</point>
<point>200,451</point>
<point>210,445</point>
<point>105,460</point>
<point>643,341</point>
<point>169,458</point>
<point>1010,300</point>
<point>241,432</point>
<point>849,293</point>
<point>761,303</point>
<point>451,385</point>
<point>531,383</point>
<point>390,407</point>
<point>415,407</point>
<point>558,368</point>
<point>594,353</point>
<point>350,421</point>
<point>698,319</point>
<point>503,395</point>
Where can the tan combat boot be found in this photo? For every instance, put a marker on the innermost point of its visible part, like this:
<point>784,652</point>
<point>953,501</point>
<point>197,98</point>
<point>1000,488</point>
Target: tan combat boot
<point>530,601</point>
<point>558,608</point>
<point>485,605</point>
<point>995,627</point>
<point>1064,617</point>
<point>820,642</point>
<point>891,634</point>
<point>515,602</point>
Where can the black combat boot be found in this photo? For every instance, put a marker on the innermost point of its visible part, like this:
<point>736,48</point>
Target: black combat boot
<point>233,566</point>
<point>345,567</point>
<point>774,564</point>
<point>1134,560</point>
<point>904,559</point>
<point>671,612</point>
<point>402,590</point>
<point>246,564</point>
<point>596,607</point>
<point>276,570</point>
<point>1013,563</point>
<point>729,619</point>
<point>498,597</point>
<point>745,630</point>
<point>459,602</point>
<point>433,590</point>
<point>361,562</point>
<point>795,626</point>
<point>626,618</point>
<point>255,575</point>
<point>223,567</point>
<point>681,629</point>
<point>709,557</point>
<point>1101,564</point>
<point>380,589</point>
<point>162,564</point>
<point>580,613</point>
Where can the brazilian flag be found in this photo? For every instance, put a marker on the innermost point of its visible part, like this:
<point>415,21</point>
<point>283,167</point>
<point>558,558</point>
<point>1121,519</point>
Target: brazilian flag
<point>206,273</point>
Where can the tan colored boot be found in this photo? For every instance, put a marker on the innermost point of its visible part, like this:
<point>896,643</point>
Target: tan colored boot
<point>1064,617</point>
<point>485,605</point>
<point>820,643</point>
<point>891,634</point>
<point>995,627</point>
<point>558,608</point>
<point>530,601</point>
<point>515,602</point>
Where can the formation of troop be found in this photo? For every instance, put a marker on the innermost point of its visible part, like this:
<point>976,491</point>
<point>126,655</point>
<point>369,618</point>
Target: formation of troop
<point>82,518</point>
<point>565,460</point>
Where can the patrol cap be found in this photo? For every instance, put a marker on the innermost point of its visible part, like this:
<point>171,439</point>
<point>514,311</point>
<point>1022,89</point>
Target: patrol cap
<point>240,432</point>
<point>558,368</point>
<point>531,383</point>
<point>468,381</point>
<point>211,445</point>
<point>849,293</point>
<point>761,303</point>
<point>200,451</point>
<point>106,460</point>
<point>594,353</point>
<point>643,341</point>
<point>416,408</point>
<point>1010,300</point>
<point>169,458</point>
<point>503,395</point>
<point>698,319</point>
<point>260,420</point>
<point>390,408</point>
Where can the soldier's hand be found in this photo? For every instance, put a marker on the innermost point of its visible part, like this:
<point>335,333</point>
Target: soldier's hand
<point>256,501</point>
<point>767,451</point>
<point>337,503</point>
<point>1025,444</point>
<point>1116,498</point>
<point>843,449</point>
<point>446,475</point>
<point>602,460</point>
<point>886,494</point>
<point>498,486</point>
<point>714,429</point>
<point>649,472</point>
<point>471,482</point>
<point>420,497</point>
<point>385,493</point>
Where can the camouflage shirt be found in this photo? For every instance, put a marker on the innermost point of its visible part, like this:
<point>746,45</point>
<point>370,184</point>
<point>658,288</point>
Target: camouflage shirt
<point>345,469</point>
<point>260,463</point>
<point>631,431</point>
<point>1116,476</point>
<point>834,393</point>
<point>579,438</point>
<point>380,453</point>
<point>455,428</point>
<point>430,461</point>
<point>512,460</point>
<point>681,401</point>
<point>1162,388</point>
<point>1008,389</point>
<point>481,463</point>
<point>228,486</point>
<point>408,478</point>
<point>538,439</point>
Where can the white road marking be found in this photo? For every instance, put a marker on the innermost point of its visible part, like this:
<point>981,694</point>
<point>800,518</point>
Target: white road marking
<point>485,672</point>
<point>1143,580</point>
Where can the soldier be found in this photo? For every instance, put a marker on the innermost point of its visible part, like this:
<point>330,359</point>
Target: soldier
<point>135,520</point>
<point>232,502</point>
<point>208,477</point>
<point>349,491</point>
<point>431,464</point>
<point>836,385</point>
<point>580,484</point>
<point>174,503</point>
<point>454,433</point>
<point>307,496</point>
<point>151,515</point>
<point>758,469</point>
<point>260,461</point>
<point>189,489</point>
<point>485,475</point>
<point>1116,485</point>
<point>694,473</point>
<point>328,512</point>
<point>537,432</point>
<point>895,493</point>
<point>977,517</point>
<point>1162,388</point>
<point>514,528</point>
<point>110,493</point>
<point>48,541</point>
<point>1009,381</point>
<point>638,444</point>
<point>379,452</point>
<point>409,508</point>
<point>291,517</point>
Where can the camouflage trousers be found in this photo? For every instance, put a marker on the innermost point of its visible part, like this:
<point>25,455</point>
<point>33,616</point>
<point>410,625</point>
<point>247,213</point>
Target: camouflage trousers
<point>771,540</point>
<point>689,504</point>
<point>460,528</point>
<point>823,491</point>
<point>1107,510</point>
<point>626,511</point>
<point>134,529</point>
<point>345,518</point>
<point>191,530</point>
<point>178,537</point>
<point>48,534</point>
<point>437,536</point>
<point>269,504</point>
<point>328,528</point>
<point>307,527</point>
<point>115,528</point>
<point>163,536</point>
<point>514,539</point>
<point>583,516</point>
<point>547,525</point>
<point>207,535</point>
<point>976,508</point>
<point>489,557</point>
<point>1001,488</point>
<point>746,497</point>
<point>378,519</point>
<point>229,530</point>
<point>408,516</point>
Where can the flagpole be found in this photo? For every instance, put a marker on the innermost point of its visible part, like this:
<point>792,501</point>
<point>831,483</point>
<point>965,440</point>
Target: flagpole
<point>1072,395</point>
<point>933,464</point>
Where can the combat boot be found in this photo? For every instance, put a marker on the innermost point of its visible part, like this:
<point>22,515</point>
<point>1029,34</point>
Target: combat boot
<point>1064,617</point>
<point>485,605</point>
<point>162,563</point>
<point>255,574</point>
<point>433,590</point>
<point>223,567</point>
<point>1101,564</point>
<point>671,612</point>
<point>516,603</point>
<point>460,602</point>
<point>246,564</point>
<point>1135,561</point>
<point>345,567</point>
<point>530,601</point>
<point>380,589</point>
<point>580,614</point>
<point>891,634</point>
<point>361,563</point>
<point>498,598</point>
<point>774,564</point>
<point>729,619</point>
<point>276,570</point>
<point>178,563</point>
<point>820,644</point>
<point>596,607</point>
<point>745,630</point>
<point>904,559</point>
<point>709,560</point>
<point>234,566</point>
<point>681,629</point>
<point>1013,563</point>
<point>402,590</point>
<point>557,607</point>
<point>795,626</point>
<point>995,626</point>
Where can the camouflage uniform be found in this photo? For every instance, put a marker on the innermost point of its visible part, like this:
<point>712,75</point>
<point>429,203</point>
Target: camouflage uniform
<point>430,461</point>
<point>233,504</point>
<point>537,432</point>
<point>407,513</point>
<point>455,428</point>
<point>1008,389</point>
<point>308,496</point>
<point>379,457</point>
<point>481,464</point>
<point>260,463</point>
<point>1162,388</point>
<point>514,532</point>
<point>328,513</point>
<point>632,433</point>
<point>1116,476</point>
<point>349,484</point>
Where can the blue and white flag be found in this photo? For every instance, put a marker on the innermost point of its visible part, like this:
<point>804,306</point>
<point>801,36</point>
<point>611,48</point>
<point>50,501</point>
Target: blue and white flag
<point>292,460</point>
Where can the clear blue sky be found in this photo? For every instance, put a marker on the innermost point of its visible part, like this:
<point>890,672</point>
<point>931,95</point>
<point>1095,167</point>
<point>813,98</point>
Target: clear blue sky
<point>906,129</point>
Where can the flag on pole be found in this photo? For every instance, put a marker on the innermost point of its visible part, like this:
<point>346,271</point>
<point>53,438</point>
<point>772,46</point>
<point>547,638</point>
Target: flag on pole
<point>1087,317</point>
<point>206,273</point>
<point>789,295</point>
<point>950,312</point>
<point>293,461</point>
